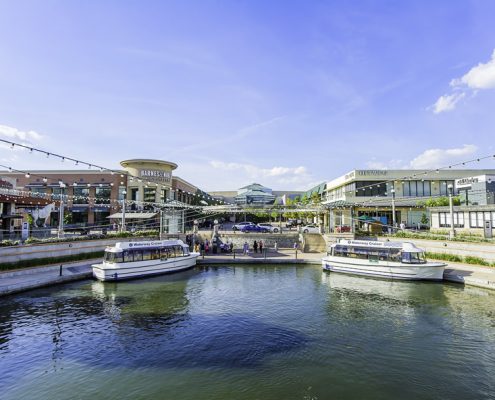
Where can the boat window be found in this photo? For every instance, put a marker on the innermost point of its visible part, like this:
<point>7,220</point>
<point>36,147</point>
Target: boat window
<point>185,250</point>
<point>138,255</point>
<point>146,255</point>
<point>413,258</point>
<point>165,253</point>
<point>155,254</point>
<point>178,251</point>
<point>394,255</point>
<point>128,256</point>
<point>111,257</point>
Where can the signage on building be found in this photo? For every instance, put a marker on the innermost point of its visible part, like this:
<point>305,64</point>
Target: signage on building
<point>350,175</point>
<point>467,182</point>
<point>374,172</point>
<point>156,175</point>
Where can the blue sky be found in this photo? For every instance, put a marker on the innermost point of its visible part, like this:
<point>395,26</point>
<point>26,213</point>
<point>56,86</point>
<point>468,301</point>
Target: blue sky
<point>284,93</point>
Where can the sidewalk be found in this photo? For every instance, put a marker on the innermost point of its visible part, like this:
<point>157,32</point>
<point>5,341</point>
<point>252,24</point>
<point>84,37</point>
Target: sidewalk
<point>269,256</point>
<point>30,278</point>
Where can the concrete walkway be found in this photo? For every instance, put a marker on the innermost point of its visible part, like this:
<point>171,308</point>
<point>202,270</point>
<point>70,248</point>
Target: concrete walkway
<point>31,278</point>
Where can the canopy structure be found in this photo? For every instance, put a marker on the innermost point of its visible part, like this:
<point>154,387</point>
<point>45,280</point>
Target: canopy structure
<point>130,215</point>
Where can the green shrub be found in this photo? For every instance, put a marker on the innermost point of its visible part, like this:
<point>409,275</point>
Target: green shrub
<point>444,257</point>
<point>475,260</point>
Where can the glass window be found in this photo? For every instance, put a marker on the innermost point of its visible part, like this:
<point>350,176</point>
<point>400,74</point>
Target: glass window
<point>81,195</point>
<point>442,219</point>
<point>448,221</point>
<point>138,255</point>
<point>155,254</point>
<point>472,220</point>
<point>102,195</point>
<point>427,188</point>
<point>128,256</point>
<point>395,255</point>
<point>480,219</point>
<point>405,189</point>
<point>146,255</point>
<point>178,251</point>
<point>493,218</point>
<point>149,195</point>
<point>420,189</point>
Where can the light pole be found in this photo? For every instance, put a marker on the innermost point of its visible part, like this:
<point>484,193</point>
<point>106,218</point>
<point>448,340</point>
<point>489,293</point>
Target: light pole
<point>122,228</point>
<point>61,211</point>
<point>451,206</point>
<point>161,224</point>
<point>195,232</point>
<point>393,209</point>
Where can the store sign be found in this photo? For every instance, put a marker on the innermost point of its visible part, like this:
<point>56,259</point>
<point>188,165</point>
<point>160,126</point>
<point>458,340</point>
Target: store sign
<point>156,175</point>
<point>468,182</point>
<point>372,172</point>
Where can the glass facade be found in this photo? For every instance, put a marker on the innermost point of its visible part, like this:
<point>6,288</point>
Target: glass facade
<point>416,188</point>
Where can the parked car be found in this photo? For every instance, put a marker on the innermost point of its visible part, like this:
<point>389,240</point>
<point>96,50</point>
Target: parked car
<point>240,225</point>
<point>270,227</point>
<point>254,228</point>
<point>311,228</point>
<point>292,223</point>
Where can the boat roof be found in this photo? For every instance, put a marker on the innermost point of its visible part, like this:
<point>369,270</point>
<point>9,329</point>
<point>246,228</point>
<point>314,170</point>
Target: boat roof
<point>405,246</point>
<point>119,246</point>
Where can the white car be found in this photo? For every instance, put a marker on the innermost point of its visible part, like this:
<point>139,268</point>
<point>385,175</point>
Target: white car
<point>311,228</point>
<point>240,225</point>
<point>270,227</point>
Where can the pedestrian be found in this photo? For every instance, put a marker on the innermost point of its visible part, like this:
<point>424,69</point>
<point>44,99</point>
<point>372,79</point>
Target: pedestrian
<point>261,246</point>
<point>255,246</point>
<point>202,247</point>
<point>207,246</point>
<point>196,248</point>
<point>231,247</point>
<point>275,247</point>
<point>245,248</point>
<point>402,226</point>
<point>295,246</point>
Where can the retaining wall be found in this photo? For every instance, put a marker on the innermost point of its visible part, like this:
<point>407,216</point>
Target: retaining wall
<point>14,254</point>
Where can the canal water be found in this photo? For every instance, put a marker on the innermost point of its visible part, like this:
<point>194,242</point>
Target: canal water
<point>249,332</point>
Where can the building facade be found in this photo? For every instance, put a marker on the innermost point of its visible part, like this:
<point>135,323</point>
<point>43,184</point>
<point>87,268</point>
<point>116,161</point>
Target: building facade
<point>371,194</point>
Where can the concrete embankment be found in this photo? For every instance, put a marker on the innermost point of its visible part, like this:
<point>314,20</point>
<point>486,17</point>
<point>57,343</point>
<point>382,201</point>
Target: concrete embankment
<point>20,280</point>
<point>31,278</point>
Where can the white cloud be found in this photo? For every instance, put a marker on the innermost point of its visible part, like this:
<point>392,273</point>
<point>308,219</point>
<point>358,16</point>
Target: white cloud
<point>428,159</point>
<point>480,77</point>
<point>435,158</point>
<point>274,176</point>
<point>447,102</point>
<point>16,134</point>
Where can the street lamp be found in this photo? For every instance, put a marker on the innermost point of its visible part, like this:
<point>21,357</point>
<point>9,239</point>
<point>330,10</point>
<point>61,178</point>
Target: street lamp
<point>393,208</point>
<point>451,206</point>
<point>122,227</point>
<point>61,211</point>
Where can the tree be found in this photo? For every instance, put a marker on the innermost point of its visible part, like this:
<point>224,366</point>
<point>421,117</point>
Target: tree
<point>424,219</point>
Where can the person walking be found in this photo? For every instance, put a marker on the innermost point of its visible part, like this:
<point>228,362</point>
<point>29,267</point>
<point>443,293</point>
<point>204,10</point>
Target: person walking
<point>261,246</point>
<point>245,248</point>
<point>255,246</point>
<point>196,248</point>
<point>207,246</point>
<point>202,247</point>
<point>275,247</point>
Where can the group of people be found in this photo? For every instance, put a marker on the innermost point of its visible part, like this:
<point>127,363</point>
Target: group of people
<point>257,245</point>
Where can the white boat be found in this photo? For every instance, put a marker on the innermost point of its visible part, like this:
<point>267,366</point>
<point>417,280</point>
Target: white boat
<point>128,260</point>
<point>394,260</point>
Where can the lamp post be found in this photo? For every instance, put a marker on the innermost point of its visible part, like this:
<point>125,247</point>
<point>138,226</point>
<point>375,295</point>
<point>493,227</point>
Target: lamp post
<point>195,232</point>
<point>161,224</point>
<point>451,206</point>
<point>61,211</point>
<point>393,209</point>
<point>122,227</point>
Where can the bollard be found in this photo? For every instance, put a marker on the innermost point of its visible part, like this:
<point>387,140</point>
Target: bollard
<point>296,254</point>
<point>233,252</point>
<point>265,252</point>
<point>203,254</point>
<point>60,270</point>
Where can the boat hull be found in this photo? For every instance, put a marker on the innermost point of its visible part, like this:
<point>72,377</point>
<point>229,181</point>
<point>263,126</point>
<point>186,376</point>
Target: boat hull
<point>122,271</point>
<point>388,270</point>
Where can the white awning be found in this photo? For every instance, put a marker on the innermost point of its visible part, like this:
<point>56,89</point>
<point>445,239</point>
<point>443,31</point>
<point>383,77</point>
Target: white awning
<point>133,216</point>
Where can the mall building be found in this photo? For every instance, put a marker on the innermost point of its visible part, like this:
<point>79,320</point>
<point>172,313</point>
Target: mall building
<point>362,195</point>
<point>93,197</point>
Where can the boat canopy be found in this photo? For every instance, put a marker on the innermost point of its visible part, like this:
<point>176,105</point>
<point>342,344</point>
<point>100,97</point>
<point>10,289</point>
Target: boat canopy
<point>404,246</point>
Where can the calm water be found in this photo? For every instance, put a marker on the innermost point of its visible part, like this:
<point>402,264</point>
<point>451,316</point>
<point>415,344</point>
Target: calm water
<point>249,333</point>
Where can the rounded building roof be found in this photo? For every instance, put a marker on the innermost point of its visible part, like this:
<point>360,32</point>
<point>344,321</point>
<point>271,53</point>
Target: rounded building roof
<point>145,161</point>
